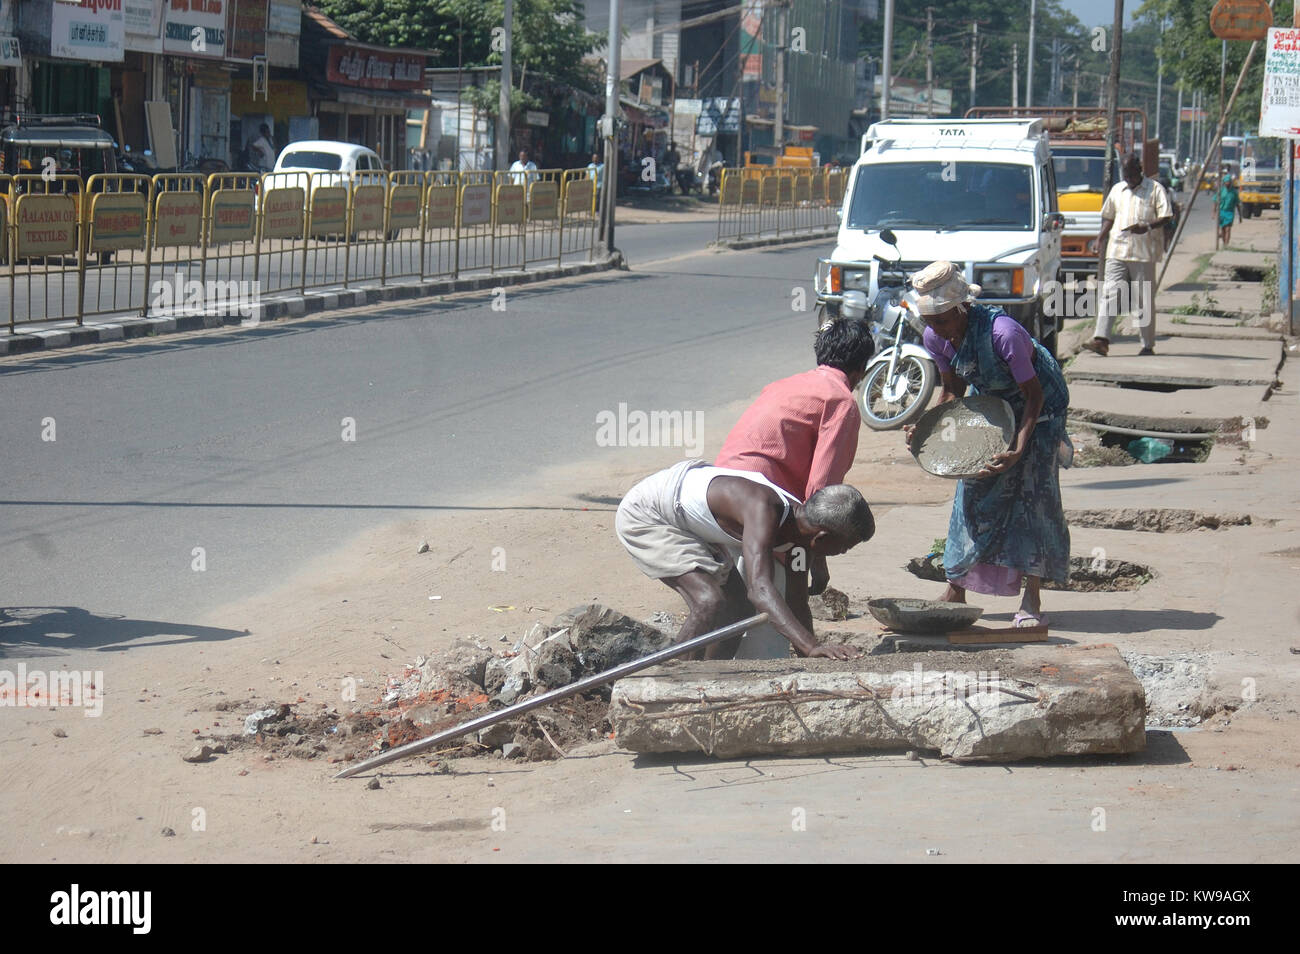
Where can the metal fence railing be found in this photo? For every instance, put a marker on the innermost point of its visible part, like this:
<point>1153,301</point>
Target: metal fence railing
<point>185,243</point>
<point>767,201</point>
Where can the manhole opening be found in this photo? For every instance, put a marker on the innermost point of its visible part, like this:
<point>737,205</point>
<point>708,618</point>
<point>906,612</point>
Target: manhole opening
<point>1159,450</point>
<point>1247,273</point>
<point>1164,387</point>
<point>1156,520</point>
<point>1087,574</point>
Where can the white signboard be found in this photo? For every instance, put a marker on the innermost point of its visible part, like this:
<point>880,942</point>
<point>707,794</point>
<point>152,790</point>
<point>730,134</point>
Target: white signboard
<point>195,28</point>
<point>1279,109</point>
<point>87,30</point>
<point>143,17</point>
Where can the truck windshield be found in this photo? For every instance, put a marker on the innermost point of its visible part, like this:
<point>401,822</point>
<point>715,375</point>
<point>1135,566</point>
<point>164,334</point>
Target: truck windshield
<point>1078,172</point>
<point>943,196</point>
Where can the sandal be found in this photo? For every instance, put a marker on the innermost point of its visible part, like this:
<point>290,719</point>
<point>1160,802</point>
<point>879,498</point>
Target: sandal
<point>1023,620</point>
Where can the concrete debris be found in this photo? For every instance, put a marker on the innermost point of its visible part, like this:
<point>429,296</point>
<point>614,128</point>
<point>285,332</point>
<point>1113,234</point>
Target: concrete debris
<point>603,638</point>
<point>1001,705</point>
<point>200,753</point>
<point>831,606</point>
<point>460,670</point>
<point>1175,686</point>
<point>254,723</point>
<point>511,750</point>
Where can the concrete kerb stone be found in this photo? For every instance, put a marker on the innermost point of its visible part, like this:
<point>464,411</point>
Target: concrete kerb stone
<point>289,307</point>
<point>998,705</point>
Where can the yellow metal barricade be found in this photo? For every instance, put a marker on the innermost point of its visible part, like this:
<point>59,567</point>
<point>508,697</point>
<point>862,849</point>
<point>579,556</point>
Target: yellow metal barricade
<point>730,193</point>
<point>116,228</point>
<point>46,248</point>
<point>326,260</point>
<point>578,216</point>
<point>405,212</point>
<point>367,227</point>
<point>475,221</point>
<point>509,217</point>
<point>282,231</point>
<point>174,251</point>
<point>441,257</point>
<point>542,228</point>
<point>230,281</point>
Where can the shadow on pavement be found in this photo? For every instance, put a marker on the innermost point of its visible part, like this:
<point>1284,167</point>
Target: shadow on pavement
<point>1116,621</point>
<point>50,630</point>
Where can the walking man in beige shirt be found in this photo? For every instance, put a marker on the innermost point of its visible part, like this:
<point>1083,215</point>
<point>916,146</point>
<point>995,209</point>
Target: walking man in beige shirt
<point>1133,219</point>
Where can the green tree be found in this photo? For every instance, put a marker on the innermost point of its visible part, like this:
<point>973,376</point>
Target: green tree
<point>1192,54</point>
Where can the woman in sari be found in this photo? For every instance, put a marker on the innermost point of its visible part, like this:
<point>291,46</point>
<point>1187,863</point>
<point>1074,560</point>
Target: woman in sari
<point>1007,525</point>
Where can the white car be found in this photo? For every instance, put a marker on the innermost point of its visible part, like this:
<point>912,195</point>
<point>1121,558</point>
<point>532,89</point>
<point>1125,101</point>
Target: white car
<point>331,162</point>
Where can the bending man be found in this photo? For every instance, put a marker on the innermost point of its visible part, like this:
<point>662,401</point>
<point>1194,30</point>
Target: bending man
<point>689,524</point>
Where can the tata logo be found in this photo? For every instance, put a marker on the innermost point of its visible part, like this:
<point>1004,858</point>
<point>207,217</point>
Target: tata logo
<point>952,132</point>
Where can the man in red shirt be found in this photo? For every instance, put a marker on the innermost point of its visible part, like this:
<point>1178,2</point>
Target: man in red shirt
<point>802,433</point>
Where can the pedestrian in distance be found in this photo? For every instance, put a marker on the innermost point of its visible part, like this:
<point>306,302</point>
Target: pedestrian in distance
<point>1227,200</point>
<point>1132,220</point>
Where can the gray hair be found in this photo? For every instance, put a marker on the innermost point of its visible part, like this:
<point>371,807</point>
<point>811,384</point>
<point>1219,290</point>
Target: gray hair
<point>841,510</point>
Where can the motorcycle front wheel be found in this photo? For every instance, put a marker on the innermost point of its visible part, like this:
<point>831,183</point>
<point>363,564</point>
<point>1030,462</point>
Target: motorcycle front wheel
<point>888,404</point>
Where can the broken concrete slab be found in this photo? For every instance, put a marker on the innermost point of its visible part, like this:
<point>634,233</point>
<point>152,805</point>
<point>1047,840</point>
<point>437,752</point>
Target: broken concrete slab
<point>1003,705</point>
<point>1183,362</point>
<point>1195,410</point>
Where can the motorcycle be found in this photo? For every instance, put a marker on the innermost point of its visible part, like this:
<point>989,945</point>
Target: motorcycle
<point>715,176</point>
<point>901,376</point>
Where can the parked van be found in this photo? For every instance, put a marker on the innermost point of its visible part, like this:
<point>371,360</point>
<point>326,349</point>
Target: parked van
<point>977,192</point>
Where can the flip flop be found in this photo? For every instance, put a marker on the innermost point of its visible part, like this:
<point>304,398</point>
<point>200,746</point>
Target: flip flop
<point>1023,620</point>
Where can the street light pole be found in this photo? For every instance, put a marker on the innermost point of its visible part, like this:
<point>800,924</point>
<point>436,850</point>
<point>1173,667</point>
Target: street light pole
<point>887,59</point>
<point>1029,69</point>
<point>609,191</point>
<point>1112,109</point>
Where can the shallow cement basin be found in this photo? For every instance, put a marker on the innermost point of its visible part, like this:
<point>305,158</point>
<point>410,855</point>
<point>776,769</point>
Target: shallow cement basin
<point>923,616</point>
<point>959,438</point>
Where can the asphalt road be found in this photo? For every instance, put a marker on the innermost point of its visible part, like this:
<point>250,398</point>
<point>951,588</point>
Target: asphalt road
<point>233,442</point>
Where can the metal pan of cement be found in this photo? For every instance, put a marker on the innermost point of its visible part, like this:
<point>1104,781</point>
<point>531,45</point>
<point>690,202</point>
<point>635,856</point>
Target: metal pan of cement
<point>959,438</point>
<point>923,616</point>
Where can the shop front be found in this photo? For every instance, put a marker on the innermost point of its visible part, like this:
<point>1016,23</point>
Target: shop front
<point>359,92</point>
<point>70,49</point>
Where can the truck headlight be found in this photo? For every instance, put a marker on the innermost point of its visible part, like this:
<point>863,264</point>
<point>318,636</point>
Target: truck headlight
<point>1001,282</point>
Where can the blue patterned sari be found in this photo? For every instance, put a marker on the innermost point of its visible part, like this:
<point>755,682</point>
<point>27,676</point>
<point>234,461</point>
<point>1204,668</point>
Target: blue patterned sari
<point>1011,524</point>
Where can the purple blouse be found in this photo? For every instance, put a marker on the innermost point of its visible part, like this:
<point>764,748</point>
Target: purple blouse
<point>1011,343</point>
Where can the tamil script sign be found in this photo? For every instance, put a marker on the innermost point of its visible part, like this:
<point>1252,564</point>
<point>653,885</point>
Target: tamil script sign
<point>87,30</point>
<point>372,69</point>
<point>1279,110</point>
<point>117,220</point>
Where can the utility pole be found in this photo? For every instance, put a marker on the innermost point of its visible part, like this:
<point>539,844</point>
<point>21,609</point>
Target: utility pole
<point>929,61</point>
<point>1178,126</point>
<point>974,56</point>
<point>1029,69</point>
<point>1076,81</point>
<point>1112,96</point>
<point>778,128</point>
<point>609,190</point>
<point>503,102</point>
<point>887,59</point>
<point>1015,75</point>
<point>1160,75</point>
